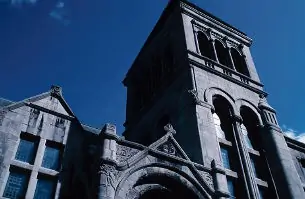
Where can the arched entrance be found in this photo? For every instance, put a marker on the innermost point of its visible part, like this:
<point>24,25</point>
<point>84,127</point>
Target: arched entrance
<point>152,182</point>
<point>163,187</point>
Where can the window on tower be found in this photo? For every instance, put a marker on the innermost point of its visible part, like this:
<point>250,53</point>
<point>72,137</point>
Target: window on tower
<point>205,46</point>
<point>239,62</point>
<point>222,54</point>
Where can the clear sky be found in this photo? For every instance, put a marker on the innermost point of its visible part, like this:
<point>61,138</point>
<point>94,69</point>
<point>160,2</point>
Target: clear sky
<point>86,47</point>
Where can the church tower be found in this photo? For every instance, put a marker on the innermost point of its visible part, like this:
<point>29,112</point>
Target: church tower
<point>196,72</point>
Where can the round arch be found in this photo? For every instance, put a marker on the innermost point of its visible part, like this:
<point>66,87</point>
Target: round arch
<point>209,93</point>
<point>140,181</point>
<point>205,45</point>
<point>245,103</point>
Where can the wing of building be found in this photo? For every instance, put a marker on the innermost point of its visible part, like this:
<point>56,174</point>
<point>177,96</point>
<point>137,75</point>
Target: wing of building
<point>198,125</point>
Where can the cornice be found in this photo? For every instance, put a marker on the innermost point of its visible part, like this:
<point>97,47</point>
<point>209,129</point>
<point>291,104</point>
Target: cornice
<point>215,23</point>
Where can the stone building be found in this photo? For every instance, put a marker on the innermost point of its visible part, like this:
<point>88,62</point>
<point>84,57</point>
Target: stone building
<point>198,125</point>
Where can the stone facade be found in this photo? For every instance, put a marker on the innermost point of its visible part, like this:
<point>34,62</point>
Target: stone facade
<point>198,125</point>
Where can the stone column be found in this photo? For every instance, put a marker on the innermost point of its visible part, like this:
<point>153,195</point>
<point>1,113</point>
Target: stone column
<point>219,180</point>
<point>281,164</point>
<point>214,49</point>
<point>107,169</point>
<point>231,59</point>
<point>244,158</point>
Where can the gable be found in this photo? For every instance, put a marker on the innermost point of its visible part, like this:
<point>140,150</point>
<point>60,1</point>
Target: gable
<point>53,104</point>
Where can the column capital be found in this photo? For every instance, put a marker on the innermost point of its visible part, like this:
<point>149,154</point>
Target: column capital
<point>237,118</point>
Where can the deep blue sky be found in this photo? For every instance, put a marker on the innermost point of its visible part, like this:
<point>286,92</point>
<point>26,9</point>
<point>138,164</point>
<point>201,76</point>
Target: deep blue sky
<point>90,50</point>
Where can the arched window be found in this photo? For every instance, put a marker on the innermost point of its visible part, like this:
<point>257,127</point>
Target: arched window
<point>222,54</point>
<point>250,128</point>
<point>251,134</point>
<point>227,145</point>
<point>239,62</point>
<point>205,46</point>
<point>217,123</point>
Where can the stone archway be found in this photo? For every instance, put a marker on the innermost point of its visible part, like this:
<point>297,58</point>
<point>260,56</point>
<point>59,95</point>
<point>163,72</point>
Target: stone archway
<point>155,182</point>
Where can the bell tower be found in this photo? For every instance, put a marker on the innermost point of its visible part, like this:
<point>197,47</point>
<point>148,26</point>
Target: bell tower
<point>196,72</point>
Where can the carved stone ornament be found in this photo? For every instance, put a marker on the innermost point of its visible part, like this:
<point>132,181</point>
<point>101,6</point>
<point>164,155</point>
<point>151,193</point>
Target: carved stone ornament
<point>169,129</point>
<point>124,153</point>
<point>56,90</point>
<point>208,178</point>
<point>168,148</point>
<point>110,174</point>
<point>194,95</point>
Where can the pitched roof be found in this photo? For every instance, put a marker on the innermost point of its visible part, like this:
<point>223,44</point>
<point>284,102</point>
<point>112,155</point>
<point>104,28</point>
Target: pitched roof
<point>55,91</point>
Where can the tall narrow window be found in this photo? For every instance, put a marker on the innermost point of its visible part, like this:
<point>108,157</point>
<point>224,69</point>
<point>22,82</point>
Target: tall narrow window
<point>225,157</point>
<point>45,188</point>
<point>205,46</point>
<point>27,148</point>
<point>231,188</point>
<point>52,156</point>
<point>239,62</point>
<point>253,165</point>
<point>16,184</point>
<point>217,123</point>
<point>246,137</point>
<point>222,54</point>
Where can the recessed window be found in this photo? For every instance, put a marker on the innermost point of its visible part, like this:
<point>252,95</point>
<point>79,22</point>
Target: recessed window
<point>16,185</point>
<point>246,137</point>
<point>217,123</point>
<point>27,148</point>
<point>253,165</point>
<point>231,188</point>
<point>52,156</point>
<point>225,157</point>
<point>261,192</point>
<point>45,188</point>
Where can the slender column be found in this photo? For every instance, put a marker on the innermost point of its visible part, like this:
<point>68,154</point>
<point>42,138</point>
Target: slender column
<point>214,50</point>
<point>231,59</point>
<point>244,158</point>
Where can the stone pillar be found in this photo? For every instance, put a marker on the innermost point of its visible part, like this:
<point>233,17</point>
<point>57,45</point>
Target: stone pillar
<point>107,169</point>
<point>231,59</point>
<point>214,49</point>
<point>219,180</point>
<point>244,158</point>
<point>282,168</point>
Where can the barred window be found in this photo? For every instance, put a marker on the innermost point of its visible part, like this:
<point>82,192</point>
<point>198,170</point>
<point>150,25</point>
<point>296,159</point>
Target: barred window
<point>16,185</point>
<point>51,158</point>
<point>45,188</point>
<point>27,148</point>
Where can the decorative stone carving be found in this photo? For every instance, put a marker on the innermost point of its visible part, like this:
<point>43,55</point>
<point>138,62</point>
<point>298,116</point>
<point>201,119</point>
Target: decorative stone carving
<point>34,113</point>
<point>123,153</point>
<point>56,90</point>
<point>169,129</point>
<point>194,95</point>
<point>110,174</point>
<point>168,148</point>
<point>208,178</point>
